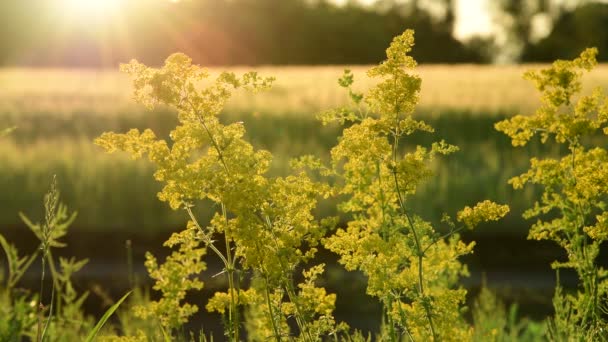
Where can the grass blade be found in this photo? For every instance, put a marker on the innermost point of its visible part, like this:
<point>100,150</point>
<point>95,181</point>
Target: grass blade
<point>105,317</point>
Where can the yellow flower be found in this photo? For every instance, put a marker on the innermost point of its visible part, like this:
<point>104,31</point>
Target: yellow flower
<point>483,211</point>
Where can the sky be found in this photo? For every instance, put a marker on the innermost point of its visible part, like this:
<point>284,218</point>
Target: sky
<point>472,18</point>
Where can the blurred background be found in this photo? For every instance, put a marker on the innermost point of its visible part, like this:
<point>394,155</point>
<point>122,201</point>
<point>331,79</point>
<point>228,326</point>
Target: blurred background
<point>60,88</point>
<point>103,33</point>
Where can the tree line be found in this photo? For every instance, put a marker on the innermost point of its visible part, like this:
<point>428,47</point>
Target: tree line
<point>284,32</point>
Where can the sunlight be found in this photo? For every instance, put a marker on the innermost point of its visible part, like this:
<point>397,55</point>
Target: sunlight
<point>90,9</point>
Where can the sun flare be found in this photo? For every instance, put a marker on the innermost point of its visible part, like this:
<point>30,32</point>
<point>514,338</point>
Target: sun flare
<point>89,9</point>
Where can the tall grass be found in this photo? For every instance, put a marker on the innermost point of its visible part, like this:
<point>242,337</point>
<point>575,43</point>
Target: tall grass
<point>107,199</point>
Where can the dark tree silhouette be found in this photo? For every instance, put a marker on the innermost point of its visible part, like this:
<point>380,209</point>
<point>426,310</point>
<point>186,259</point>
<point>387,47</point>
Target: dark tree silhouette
<point>230,32</point>
<point>573,31</point>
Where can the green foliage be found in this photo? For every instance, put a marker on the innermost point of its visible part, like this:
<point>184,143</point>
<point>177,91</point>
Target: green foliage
<point>174,278</point>
<point>29,316</point>
<point>57,221</point>
<point>270,235</point>
<point>65,317</point>
<point>18,314</point>
<point>17,266</point>
<point>494,322</point>
<point>411,268</point>
<point>267,222</point>
<point>130,322</point>
<point>26,316</point>
<point>95,184</point>
<point>572,207</point>
<point>104,318</point>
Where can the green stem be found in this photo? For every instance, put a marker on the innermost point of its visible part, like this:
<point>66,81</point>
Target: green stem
<point>587,271</point>
<point>206,239</point>
<point>277,334</point>
<point>405,327</point>
<point>391,324</point>
<point>287,283</point>
<point>228,262</point>
<point>55,277</point>
<point>300,319</point>
<point>234,315</point>
<point>40,305</point>
<point>383,232</point>
<point>201,120</point>
<point>48,321</point>
<point>419,250</point>
<point>131,274</point>
<point>444,236</point>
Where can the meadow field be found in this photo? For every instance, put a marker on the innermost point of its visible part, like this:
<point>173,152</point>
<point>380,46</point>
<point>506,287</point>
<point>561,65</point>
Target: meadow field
<point>59,112</point>
<point>292,196</point>
<point>300,89</point>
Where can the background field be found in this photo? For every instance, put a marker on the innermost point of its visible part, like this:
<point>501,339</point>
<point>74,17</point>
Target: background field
<point>60,87</point>
<point>59,112</point>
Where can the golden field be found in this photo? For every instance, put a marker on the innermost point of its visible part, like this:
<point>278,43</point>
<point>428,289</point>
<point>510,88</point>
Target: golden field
<point>475,88</point>
<point>59,112</point>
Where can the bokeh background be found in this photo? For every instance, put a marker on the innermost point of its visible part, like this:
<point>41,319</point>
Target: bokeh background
<point>60,87</point>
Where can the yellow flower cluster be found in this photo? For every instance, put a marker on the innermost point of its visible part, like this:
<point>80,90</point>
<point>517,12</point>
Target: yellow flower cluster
<point>267,223</point>
<point>599,231</point>
<point>410,268</point>
<point>558,85</point>
<point>572,208</point>
<point>174,278</point>
<point>482,212</point>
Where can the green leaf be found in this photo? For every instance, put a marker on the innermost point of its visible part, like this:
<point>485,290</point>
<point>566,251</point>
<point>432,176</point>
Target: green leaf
<point>105,318</point>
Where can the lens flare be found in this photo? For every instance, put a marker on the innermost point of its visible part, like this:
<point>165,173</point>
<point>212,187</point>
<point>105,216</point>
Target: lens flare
<point>90,9</point>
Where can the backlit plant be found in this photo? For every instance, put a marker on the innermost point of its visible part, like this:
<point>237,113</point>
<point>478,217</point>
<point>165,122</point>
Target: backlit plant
<point>266,223</point>
<point>572,208</point>
<point>265,234</point>
<point>56,311</point>
<point>411,268</point>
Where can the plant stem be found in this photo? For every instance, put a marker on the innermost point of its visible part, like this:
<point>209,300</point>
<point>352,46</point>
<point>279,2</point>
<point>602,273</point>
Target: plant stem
<point>55,277</point>
<point>234,315</point>
<point>206,238</point>
<point>444,236</point>
<point>288,284</point>
<point>131,276</point>
<point>40,305</point>
<point>419,250</point>
<point>228,262</point>
<point>233,320</point>
<point>272,321</point>
<point>407,330</point>
<point>391,324</point>
<point>201,120</point>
